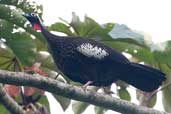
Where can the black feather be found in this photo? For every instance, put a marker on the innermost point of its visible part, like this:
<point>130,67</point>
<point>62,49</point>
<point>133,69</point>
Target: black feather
<point>143,77</point>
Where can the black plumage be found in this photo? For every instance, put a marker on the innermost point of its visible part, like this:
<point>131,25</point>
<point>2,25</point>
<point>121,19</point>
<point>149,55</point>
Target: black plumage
<point>83,60</point>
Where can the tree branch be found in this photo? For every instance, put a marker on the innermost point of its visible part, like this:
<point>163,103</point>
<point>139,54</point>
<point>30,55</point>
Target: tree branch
<point>9,103</point>
<point>74,92</point>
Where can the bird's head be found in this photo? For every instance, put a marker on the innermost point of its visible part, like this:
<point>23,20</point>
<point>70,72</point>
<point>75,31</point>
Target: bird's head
<point>33,18</point>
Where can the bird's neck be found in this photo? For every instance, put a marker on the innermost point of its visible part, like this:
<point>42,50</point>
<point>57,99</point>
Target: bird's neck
<point>48,35</point>
<point>55,42</point>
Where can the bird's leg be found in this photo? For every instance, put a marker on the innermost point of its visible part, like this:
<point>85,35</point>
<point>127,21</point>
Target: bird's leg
<point>87,84</point>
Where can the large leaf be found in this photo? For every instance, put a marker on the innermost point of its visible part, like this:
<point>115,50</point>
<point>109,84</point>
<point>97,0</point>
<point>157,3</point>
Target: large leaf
<point>64,102</point>
<point>21,43</point>
<point>23,47</point>
<point>6,57</point>
<point>41,46</point>
<point>61,27</point>
<point>123,33</point>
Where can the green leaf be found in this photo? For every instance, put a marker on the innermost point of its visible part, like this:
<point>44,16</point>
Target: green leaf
<point>44,101</point>
<point>124,94</point>
<point>79,107</point>
<point>23,47</point>
<point>20,43</point>
<point>26,6</point>
<point>60,27</point>
<point>3,110</point>
<point>41,46</point>
<point>88,28</point>
<point>5,55</point>
<point>162,57</point>
<point>64,102</point>
<point>76,24</point>
<point>132,41</point>
<point>46,60</point>
<point>166,99</point>
<point>99,110</point>
<point>161,52</point>
<point>14,17</point>
<point>108,26</point>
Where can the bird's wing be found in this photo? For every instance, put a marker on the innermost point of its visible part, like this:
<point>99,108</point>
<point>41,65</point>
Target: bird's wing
<point>93,49</point>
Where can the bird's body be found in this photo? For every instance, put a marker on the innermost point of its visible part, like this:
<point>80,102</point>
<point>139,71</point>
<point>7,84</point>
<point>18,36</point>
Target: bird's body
<point>83,60</point>
<point>74,58</point>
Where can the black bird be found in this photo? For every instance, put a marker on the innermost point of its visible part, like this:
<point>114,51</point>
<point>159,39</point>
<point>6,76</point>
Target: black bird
<point>93,63</point>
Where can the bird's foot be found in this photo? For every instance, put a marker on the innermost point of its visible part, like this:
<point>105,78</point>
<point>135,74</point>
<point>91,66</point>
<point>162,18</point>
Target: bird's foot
<point>87,84</point>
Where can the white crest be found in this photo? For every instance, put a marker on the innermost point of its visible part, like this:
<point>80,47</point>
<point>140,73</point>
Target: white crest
<point>92,51</point>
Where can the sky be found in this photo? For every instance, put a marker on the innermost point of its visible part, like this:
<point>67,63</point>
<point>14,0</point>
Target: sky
<point>150,16</point>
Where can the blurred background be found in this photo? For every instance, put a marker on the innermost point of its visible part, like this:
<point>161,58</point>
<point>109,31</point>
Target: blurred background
<point>140,29</point>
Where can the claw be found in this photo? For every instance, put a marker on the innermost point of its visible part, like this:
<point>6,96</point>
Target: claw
<point>87,84</point>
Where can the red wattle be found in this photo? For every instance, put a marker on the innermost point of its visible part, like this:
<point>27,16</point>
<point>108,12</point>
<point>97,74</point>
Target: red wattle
<point>37,27</point>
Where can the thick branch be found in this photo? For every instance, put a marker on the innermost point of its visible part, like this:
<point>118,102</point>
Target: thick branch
<point>9,103</point>
<point>74,92</point>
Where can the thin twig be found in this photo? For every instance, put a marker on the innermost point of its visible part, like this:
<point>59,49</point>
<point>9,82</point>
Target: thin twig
<point>64,21</point>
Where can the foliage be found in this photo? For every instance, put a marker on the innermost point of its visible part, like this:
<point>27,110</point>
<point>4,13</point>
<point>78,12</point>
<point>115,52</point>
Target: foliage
<point>21,48</point>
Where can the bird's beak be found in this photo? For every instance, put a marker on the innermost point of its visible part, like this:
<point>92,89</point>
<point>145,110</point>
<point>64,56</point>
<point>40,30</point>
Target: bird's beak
<point>25,15</point>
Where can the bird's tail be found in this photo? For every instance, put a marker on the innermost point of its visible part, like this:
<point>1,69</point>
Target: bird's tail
<point>143,77</point>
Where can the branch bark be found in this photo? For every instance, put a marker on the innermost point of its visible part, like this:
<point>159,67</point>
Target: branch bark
<point>73,92</point>
<point>9,103</point>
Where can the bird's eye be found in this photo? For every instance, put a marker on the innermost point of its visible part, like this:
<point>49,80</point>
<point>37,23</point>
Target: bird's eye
<point>33,14</point>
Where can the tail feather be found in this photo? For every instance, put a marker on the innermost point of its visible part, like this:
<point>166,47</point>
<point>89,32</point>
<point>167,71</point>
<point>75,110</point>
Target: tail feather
<point>143,77</point>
